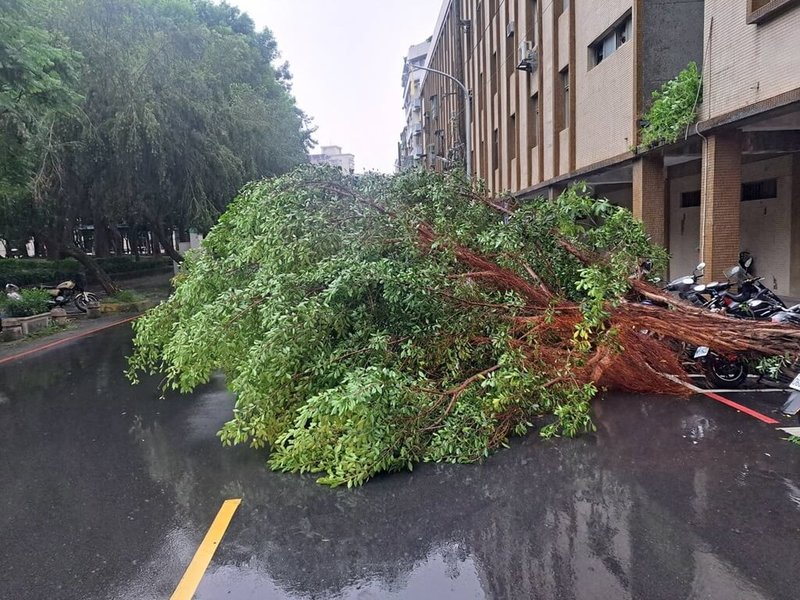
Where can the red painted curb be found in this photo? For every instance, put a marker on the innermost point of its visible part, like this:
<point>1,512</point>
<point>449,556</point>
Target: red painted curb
<point>14,357</point>
<point>744,409</point>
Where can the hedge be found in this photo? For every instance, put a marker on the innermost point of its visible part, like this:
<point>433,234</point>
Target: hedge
<point>34,302</point>
<point>33,271</point>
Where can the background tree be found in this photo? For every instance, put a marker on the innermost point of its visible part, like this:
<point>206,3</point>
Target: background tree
<point>181,103</point>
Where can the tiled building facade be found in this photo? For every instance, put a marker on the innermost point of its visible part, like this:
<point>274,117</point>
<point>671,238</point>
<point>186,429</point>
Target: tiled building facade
<point>558,91</point>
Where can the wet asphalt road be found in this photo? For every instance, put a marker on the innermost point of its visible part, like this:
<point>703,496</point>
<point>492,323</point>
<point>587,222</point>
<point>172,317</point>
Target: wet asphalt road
<point>107,490</point>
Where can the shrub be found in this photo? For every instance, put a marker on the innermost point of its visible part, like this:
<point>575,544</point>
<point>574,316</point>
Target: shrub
<point>33,271</point>
<point>33,302</point>
<point>673,108</point>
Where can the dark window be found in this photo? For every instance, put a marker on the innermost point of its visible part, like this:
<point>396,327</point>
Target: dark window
<point>611,41</point>
<point>533,121</point>
<point>690,199</point>
<point>434,107</point>
<point>565,96</point>
<point>760,190</point>
<point>495,75</point>
<point>512,137</point>
<point>760,11</point>
<point>495,149</point>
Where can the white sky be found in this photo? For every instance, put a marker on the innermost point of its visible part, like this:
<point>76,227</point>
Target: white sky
<point>346,57</point>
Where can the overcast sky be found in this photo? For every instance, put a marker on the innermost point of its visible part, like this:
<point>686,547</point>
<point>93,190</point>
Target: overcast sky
<point>346,57</point>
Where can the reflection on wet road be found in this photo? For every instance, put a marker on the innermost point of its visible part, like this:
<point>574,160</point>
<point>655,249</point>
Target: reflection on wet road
<point>107,490</point>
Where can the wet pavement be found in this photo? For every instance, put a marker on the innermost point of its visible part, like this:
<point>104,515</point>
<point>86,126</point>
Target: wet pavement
<point>106,490</point>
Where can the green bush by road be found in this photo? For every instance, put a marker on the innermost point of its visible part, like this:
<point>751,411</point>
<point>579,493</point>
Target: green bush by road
<point>33,271</point>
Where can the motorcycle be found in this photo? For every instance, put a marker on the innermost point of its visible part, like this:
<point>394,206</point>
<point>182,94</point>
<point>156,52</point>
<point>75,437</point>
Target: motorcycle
<point>68,292</point>
<point>684,286</point>
<point>753,301</point>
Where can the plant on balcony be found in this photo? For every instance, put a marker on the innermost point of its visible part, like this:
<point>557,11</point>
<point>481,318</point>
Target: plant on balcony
<point>673,109</point>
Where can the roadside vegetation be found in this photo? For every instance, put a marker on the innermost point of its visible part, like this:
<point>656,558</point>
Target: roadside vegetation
<point>33,302</point>
<point>150,114</point>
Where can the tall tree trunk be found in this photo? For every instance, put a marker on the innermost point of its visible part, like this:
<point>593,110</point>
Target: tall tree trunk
<point>133,242</point>
<point>101,245</point>
<point>166,242</point>
<point>38,248</point>
<point>92,267</point>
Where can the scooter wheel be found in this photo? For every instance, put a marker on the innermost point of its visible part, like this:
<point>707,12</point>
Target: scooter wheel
<point>723,373</point>
<point>83,300</point>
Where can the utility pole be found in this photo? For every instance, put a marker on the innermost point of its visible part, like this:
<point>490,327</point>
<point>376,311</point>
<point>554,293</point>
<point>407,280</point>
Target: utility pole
<point>467,114</point>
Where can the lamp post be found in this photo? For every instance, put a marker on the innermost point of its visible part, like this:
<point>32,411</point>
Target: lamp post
<point>467,114</point>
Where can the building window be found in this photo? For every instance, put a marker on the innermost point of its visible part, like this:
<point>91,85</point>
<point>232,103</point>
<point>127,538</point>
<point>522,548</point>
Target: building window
<point>565,94</point>
<point>511,137</point>
<point>759,11</point>
<point>766,189</point>
<point>610,41</point>
<point>495,149</point>
<point>533,20</point>
<point>434,112</point>
<point>533,121</point>
<point>690,199</point>
<point>564,5</point>
<point>495,75</point>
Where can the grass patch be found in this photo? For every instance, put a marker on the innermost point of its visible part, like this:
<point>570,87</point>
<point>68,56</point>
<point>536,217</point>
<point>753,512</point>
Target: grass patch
<point>124,297</point>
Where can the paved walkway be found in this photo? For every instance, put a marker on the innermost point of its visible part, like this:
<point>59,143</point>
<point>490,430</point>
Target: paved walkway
<point>78,328</point>
<point>150,286</point>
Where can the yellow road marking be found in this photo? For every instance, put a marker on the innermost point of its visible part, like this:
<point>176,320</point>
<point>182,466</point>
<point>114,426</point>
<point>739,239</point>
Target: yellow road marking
<point>197,568</point>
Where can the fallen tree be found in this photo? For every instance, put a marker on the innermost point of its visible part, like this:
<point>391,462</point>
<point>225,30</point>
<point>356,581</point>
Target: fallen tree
<point>367,324</point>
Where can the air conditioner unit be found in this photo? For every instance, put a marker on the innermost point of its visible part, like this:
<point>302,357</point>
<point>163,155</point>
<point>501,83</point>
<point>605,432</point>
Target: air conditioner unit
<point>510,27</point>
<point>528,57</point>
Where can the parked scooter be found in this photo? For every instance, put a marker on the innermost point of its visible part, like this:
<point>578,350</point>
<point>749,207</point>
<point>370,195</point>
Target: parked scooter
<point>69,292</point>
<point>684,286</point>
<point>753,301</point>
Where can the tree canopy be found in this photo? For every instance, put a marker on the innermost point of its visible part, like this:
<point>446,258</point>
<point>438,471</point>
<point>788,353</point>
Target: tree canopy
<point>155,113</point>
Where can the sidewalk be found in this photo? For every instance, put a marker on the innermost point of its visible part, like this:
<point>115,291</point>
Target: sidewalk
<point>78,328</point>
<point>153,287</point>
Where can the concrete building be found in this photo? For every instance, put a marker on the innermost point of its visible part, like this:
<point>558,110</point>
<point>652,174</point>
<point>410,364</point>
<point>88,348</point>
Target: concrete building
<point>411,148</point>
<point>332,155</point>
<point>558,91</point>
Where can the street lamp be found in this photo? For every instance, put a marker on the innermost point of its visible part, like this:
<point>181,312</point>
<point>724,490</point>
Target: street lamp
<point>467,113</point>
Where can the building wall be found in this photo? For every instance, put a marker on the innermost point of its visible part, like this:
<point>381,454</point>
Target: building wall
<point>605,92</point>
<point>747,63</point>
<point>766,232</point>
<point>442,100</point>
<point>519,143</point>
<point>665,25</point>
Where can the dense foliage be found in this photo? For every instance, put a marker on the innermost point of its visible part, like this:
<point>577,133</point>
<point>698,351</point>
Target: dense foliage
<point>352,323</point>
<point>673,108</point>
<point>147,113</point>
<point>33,271</point>
<point>33,302</point>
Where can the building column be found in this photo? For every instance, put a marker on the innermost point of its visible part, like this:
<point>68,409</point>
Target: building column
<point>721,195</point>
<point>794,240</point>
<point>649,197</point>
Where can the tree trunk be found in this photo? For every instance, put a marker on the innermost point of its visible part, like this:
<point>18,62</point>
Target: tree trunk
<point>166,242</point>
<point>101,247</point>
<point>93,267</point>
<point>133,242</point>
<point>39,250</point>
